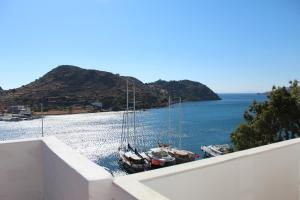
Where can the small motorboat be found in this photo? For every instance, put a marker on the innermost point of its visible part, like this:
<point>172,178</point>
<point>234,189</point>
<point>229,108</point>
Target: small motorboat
<point>215,150</point>
<point>181,156</point>
<point>159,157</point>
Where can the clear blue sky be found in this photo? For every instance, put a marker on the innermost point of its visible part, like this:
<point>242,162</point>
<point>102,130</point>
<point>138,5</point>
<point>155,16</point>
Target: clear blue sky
<point>231,46</point>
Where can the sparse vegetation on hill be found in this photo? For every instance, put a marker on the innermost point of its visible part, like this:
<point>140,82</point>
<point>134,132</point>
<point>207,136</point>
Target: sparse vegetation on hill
<point>68,86</point>
<point>186,89</point>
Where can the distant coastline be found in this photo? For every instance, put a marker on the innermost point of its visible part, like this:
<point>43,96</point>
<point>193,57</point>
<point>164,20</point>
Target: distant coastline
<point>64,112</point>
<point>86,111</point>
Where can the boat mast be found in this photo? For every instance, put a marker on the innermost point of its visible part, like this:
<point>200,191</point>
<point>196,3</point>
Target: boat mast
<point>134,125</point>
<point>127,108</point>
<point>180,121</point>
<point>169,122</point>
<point>123,131</point>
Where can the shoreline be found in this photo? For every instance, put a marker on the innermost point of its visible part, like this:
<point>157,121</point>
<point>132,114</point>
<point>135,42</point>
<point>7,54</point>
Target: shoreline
<point>80,110</point>
<point>65,112</point>
<point>87,111</point>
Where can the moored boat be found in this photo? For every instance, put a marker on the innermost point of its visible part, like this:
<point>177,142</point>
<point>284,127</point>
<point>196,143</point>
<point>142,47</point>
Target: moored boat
<point>10,118</point>
<point>159,157</point>
<point>215,150</point>
<point>180,155</point>
<point>130,159</point>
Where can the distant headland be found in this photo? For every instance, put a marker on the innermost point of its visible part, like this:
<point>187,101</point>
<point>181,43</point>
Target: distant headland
<point>71,89</point>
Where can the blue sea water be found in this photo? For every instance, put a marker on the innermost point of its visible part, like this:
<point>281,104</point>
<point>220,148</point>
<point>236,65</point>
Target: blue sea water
<point>97,135</point>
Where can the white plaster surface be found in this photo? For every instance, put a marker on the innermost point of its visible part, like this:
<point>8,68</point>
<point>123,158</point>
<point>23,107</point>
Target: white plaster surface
<point>70,176</point>
<point>21,170</point>
<point>47,169</point>
<point>265,173</point>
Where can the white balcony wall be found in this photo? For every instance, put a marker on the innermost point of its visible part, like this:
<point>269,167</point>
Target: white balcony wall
<point>266,173</point>
<point>70,176</point>
<point>21,170</point>
<point>49,170</point>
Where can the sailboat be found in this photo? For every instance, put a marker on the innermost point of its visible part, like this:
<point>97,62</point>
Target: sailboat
<point>129,157</point>
<point>160,156</point>
<point>180,155</point>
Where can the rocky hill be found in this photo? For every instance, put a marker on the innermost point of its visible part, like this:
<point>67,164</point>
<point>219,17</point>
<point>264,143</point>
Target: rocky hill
<point>70,86</point>
<point>186,89</point>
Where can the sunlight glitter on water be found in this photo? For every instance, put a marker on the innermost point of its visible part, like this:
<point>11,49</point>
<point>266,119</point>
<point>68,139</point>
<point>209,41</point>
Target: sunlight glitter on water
<point>93,135</point>
<point>97,135</point>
